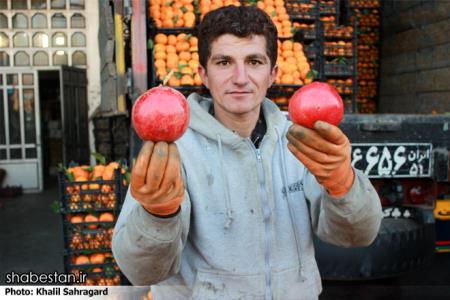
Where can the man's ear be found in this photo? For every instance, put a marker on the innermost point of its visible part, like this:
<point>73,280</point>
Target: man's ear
<point>203,75</point>
<point>273,74</point>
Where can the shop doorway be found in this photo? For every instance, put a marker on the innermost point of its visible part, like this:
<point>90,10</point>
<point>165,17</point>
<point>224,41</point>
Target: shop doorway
<point>64,122</point>
<point>51,125</point>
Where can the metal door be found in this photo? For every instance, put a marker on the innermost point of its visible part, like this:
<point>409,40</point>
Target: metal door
<point>20,141</point>
<point>75,115</point>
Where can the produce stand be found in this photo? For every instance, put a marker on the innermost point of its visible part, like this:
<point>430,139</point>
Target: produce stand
<point>334,35</point>
<point>89,210</point>
<point>368,17</point>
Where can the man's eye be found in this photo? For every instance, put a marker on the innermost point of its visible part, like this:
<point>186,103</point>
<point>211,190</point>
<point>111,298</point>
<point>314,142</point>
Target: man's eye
<point>255,62</point>
<point>222,62</point>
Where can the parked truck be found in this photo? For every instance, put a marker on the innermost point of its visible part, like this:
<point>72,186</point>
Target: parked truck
<point>407,159</point>
<point>404,146</point>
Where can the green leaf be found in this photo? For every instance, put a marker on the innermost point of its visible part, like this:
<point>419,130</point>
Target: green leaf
<point>70,177</point>
<point>61,167</point>
<point>124,164</point>
<point>342,60</point>
<point>169,3</point>
<point>178,75</point>
<point>167,77</point>
<point>274,13</point>
<point>180,67</point>
<point>99,157</point>
<point>56,207</point>
<point>175,19</point>
<point>150,44</point>
<point>183,9</point>
<point>127,177</point>
<point>196,7</point>
<point>312,74</point>
<point>109,272</point>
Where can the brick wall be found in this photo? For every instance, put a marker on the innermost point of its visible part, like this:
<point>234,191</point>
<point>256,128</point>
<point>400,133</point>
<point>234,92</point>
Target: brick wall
<point>415,57</point>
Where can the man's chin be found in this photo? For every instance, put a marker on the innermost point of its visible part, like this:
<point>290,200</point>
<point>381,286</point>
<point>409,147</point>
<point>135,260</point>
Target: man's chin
<point>242,110</point>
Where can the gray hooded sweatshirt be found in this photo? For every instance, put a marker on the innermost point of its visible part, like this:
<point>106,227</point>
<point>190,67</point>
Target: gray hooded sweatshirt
<point>245,228</point>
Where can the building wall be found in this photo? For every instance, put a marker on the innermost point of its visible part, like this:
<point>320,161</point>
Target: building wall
<point>415,57</point>
<point>93,66</point>
<point>108,69</point>
<point>56,40</point>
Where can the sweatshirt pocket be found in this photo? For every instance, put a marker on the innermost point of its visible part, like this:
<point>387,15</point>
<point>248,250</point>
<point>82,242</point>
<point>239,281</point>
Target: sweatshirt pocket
<point>215,285</point>
<point>287,285</point>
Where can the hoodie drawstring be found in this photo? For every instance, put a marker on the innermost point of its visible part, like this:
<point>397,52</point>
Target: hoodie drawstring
<point>227,190</point>
<point>289,201</point>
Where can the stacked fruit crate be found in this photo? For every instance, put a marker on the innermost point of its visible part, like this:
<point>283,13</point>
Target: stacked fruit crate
<point>338,55</point>
<point>174,52</point>
<point>90,201</point>
<point>367,15</point>
<point>340,61</point>
<point>305,15</point>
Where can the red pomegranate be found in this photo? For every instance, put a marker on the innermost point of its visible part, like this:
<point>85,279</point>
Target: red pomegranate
<point>316,101</point>
<point>160,114</point>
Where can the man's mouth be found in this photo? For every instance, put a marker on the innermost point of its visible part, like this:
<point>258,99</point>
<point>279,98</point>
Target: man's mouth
<point>239,92</point>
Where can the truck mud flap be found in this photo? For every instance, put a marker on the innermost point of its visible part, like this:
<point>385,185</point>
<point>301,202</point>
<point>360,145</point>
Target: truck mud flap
<point>404,242</point>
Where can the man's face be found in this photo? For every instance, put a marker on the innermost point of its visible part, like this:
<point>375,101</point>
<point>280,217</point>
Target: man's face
<point>238,73</point>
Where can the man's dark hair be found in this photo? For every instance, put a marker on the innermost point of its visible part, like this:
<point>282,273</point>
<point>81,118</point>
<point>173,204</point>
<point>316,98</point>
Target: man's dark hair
<point>242,21</point>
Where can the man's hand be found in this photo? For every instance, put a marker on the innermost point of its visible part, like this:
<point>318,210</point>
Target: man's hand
<point>325,152</point>
<point>156,181</point>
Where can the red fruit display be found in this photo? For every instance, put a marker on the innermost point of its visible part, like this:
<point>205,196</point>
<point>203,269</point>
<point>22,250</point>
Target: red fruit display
<point>160,114</point>
<point>316,101</point>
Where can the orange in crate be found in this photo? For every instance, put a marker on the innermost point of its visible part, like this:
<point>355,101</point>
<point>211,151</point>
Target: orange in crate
<point>97,258</point>
<point>106,217</point>
<point>81,260</point>
<point>89,219</point>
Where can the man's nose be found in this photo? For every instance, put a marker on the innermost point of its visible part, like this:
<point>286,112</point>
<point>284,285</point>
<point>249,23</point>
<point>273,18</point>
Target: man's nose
<point>240,75</point>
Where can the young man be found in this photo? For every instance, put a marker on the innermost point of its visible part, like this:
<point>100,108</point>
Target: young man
<point>228,212</point>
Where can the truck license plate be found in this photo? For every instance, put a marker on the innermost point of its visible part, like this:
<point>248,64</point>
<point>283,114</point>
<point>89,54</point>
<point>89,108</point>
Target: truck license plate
<point>400,160</point>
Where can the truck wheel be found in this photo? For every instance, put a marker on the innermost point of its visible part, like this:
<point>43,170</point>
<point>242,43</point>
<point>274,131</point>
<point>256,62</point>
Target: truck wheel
<point>405,241</point>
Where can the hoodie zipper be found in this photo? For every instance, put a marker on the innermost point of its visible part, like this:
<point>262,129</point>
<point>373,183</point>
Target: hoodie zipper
<point>266,213</point>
